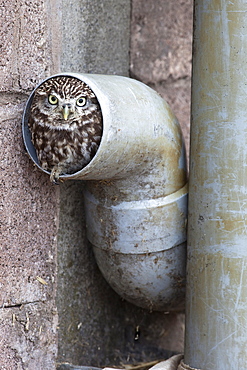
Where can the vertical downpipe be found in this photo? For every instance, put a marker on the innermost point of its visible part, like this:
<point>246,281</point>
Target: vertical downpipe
<point>216,302</point>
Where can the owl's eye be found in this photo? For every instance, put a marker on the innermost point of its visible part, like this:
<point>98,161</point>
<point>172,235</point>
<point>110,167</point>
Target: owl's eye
<point>81,101</point>
<point>52,99</point>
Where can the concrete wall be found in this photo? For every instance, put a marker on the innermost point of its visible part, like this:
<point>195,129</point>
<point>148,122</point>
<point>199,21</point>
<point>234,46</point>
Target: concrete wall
<point>161,43</point>
<point>74,316</point>
<point>91,319</point>
<point>28,204</point>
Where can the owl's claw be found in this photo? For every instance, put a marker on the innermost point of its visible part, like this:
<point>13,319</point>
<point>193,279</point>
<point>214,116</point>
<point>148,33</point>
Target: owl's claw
<point>56,182</point>
<point>54,176</point>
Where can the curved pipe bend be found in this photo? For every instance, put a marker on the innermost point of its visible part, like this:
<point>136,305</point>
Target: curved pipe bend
<point>136,193</point>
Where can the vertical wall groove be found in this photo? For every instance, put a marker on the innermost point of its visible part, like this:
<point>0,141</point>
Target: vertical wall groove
<point>95,38</point>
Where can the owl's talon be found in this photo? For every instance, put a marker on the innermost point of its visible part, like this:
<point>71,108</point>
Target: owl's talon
<point>56,182</point>
<point>54,177</point>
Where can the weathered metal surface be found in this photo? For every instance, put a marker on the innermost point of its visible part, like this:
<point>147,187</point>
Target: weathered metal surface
<point>154,280</point>
<point>217,238</point>
<point>136,197</point>
<point>140,247</point>
<point>138,227</point>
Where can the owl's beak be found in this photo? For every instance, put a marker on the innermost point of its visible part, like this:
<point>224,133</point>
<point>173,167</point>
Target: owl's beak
<point>66,111</point>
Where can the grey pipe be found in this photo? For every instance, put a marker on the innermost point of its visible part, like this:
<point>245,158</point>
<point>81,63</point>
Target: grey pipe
<point>136,195</point>
<point>216,294</point>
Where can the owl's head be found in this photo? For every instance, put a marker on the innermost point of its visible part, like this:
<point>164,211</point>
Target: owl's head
<point>63,99</point>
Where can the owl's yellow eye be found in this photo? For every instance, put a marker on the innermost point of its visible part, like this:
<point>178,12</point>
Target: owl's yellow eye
<point>81,101</point>
<point>52,99</point>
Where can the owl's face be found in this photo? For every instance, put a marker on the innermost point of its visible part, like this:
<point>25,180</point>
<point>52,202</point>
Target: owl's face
<point>61,107</point>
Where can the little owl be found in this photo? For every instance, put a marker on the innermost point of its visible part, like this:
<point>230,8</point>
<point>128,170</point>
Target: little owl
<point>66,125</point>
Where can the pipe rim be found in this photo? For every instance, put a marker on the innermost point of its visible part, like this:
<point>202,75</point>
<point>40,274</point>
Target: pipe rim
<point>26,132</point>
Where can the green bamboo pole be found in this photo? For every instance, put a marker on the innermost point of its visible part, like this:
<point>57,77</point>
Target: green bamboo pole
<point>216,298</point>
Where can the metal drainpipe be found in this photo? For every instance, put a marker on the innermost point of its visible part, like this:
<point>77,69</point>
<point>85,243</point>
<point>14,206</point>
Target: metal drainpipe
<point>136,194</point>
<point>216,294</point>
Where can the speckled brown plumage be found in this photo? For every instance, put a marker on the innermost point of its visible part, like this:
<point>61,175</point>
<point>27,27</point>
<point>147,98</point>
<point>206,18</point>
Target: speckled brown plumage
<point>66,125</point>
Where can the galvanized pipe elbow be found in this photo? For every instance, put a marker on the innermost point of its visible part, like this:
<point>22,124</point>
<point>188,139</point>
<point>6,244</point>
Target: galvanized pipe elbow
<point>136,193</point>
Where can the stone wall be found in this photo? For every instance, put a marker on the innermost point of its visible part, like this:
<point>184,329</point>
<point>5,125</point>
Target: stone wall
<point>54,303</point>
<point>161,52</point>
<point>28,204</point>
